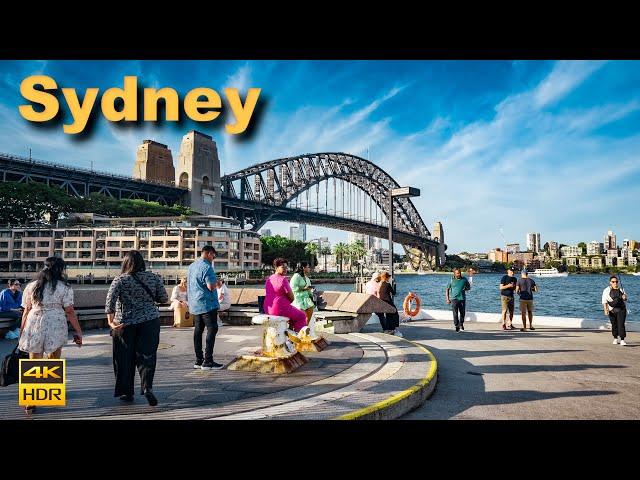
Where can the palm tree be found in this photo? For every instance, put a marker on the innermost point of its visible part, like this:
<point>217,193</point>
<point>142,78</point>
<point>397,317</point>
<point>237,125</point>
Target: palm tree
<point>311,249</point>
<point>324,251</point>
<point>357,250</point>
<point>340,250</point>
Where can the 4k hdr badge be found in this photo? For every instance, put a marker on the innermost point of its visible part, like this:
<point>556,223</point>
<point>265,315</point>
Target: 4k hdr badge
<point>42,383</point>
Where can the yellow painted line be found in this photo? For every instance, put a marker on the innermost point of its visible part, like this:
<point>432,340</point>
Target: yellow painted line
<point>398,396</point>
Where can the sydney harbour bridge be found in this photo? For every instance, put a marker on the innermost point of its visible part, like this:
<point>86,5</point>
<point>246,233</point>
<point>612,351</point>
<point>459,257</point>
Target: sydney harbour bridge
<point>333,190</point>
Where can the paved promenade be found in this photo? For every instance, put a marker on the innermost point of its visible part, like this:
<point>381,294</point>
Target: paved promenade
<point>550,373</point>
<point>353,373</point>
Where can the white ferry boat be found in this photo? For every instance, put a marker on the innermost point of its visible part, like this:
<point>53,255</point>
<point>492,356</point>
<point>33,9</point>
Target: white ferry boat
<point>548,272</point>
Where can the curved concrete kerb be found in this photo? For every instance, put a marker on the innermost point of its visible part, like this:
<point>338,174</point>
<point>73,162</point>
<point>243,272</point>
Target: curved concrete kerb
<point>402,402</point>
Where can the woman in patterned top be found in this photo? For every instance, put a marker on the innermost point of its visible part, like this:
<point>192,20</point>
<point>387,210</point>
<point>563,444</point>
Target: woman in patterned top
<point>135,326</point>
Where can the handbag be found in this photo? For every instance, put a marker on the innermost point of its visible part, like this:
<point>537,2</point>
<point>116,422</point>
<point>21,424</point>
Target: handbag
<point>147,289</point>
<point>11,366</point>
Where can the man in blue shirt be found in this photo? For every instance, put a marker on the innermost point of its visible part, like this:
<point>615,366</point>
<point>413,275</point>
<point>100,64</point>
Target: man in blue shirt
<point>456,296</point>
<point>11,307</point>
<point>203,305</point>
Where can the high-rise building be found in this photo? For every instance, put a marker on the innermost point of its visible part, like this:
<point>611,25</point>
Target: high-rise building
<point>571,251</point>
<point>533,242</point>
<point>302,232</point>
<point>626,243</point>
<point>199,171</point>
<point>594,248</point>
<point>513,247</point>
<point>265,232</point>
<point>610,241</point>
<point>554,250</point>
<point>298,232</point>
<point>154,163</point>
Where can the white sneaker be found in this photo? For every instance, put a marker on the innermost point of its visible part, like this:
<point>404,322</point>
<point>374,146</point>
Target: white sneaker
<point>622,342</point>
<point>615,341</point>
<point>398,334</point>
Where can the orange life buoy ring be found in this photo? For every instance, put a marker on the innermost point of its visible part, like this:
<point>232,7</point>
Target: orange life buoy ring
<point>407,301</point>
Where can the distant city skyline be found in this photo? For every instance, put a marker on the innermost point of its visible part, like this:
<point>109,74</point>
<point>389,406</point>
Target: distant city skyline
<point>526,146</point>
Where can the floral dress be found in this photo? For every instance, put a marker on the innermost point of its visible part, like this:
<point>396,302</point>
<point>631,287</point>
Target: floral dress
<point>46,327</point>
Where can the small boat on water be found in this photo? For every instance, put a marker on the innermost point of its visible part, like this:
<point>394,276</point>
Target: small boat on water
<point>548,273</point>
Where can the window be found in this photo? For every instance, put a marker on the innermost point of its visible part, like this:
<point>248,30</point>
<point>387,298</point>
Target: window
<point>184,180</point>
<point>158,233</point>
<point>73,233</point>
<point>43,244</point>
<point>144,234</point>
<point>4,254</point>
<point>70,244</point>
<point>70,255</point>
<point>4,244</point>
<point>85,244</point>
<point>202,243</point>
<point>219,234</point>
<point>17,244</point>
<point>112,244</point>
<point>29,244</point>
<point>234,245</point>
<point>128,244</point>
<point>129,233</point>
<point>172,244</point>
<point>221,265</point>
<point>5,234</point>
<point>220,245</point>
<point>157,244</point>
<point>234,235</point>
<point>43,254</point>
<point>115,233</point>
<point>113,254</point>
<point>173,233</point>
<point>59,235</point>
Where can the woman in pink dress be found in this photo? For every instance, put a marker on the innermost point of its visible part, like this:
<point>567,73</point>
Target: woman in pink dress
<point>278,297</point>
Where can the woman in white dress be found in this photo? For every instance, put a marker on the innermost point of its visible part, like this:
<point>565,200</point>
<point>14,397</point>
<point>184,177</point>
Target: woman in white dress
<point>48,304</point>
<point>179,295</point>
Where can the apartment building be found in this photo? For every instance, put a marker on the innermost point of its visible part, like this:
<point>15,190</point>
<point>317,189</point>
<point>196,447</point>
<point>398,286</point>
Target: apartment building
<point>96,241</point>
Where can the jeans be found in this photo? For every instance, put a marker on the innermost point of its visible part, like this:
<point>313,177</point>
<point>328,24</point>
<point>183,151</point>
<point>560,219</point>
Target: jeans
<point>201,320</point>
<point>617,323</point>
<point>389,321</point>
<point>458,306</point>
<point>135,346</point>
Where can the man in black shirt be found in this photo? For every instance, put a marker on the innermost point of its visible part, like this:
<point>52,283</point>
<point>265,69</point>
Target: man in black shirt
<point>507,286</point>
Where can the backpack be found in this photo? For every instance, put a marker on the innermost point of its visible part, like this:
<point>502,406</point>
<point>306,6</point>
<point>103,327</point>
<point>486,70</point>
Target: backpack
<point>617,303</point>
<point>11,366</point>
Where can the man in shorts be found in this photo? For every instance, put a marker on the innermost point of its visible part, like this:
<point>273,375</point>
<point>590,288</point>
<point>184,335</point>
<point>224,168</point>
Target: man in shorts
<point>525,288</point>
<point>507,287</point>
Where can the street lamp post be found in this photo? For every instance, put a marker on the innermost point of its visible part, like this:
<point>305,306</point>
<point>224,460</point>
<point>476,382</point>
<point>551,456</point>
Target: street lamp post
<point>403,192</point>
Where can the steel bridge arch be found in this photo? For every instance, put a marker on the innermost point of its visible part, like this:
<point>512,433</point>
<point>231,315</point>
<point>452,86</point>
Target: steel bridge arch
<point>277,182</point>
<point>286,178</point>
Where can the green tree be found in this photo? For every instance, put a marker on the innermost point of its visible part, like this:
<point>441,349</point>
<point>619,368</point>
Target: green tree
<point>583,247</point>
<point>356,251</point>
<point>340,250</point>
<point>311,249</point>
<point>324,251</point>
<point>33,202</point>
<point>278,246</point>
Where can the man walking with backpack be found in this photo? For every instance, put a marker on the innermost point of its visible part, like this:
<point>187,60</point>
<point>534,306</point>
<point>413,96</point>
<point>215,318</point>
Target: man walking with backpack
<point>613,301</point>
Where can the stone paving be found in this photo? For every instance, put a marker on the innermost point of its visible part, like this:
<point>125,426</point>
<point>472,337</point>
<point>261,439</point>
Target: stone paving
<point>355,371</point>
<point>550,373</point>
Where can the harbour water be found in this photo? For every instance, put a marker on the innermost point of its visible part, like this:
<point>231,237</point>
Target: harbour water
<point>572,296</point>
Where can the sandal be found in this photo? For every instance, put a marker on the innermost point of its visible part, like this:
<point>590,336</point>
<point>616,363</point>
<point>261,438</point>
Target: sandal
<point>531,328</point>
<point>29,409</point>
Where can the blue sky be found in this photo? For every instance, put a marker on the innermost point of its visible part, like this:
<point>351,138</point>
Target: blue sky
<point>544,146</point>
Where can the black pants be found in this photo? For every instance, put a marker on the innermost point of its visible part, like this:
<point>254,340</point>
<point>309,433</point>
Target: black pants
<point>389,321</point>
<point>458,306</point>
<point>201,320</point>
<point>135,346</point>
<point>617,323</point>
<point>15,316</point>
